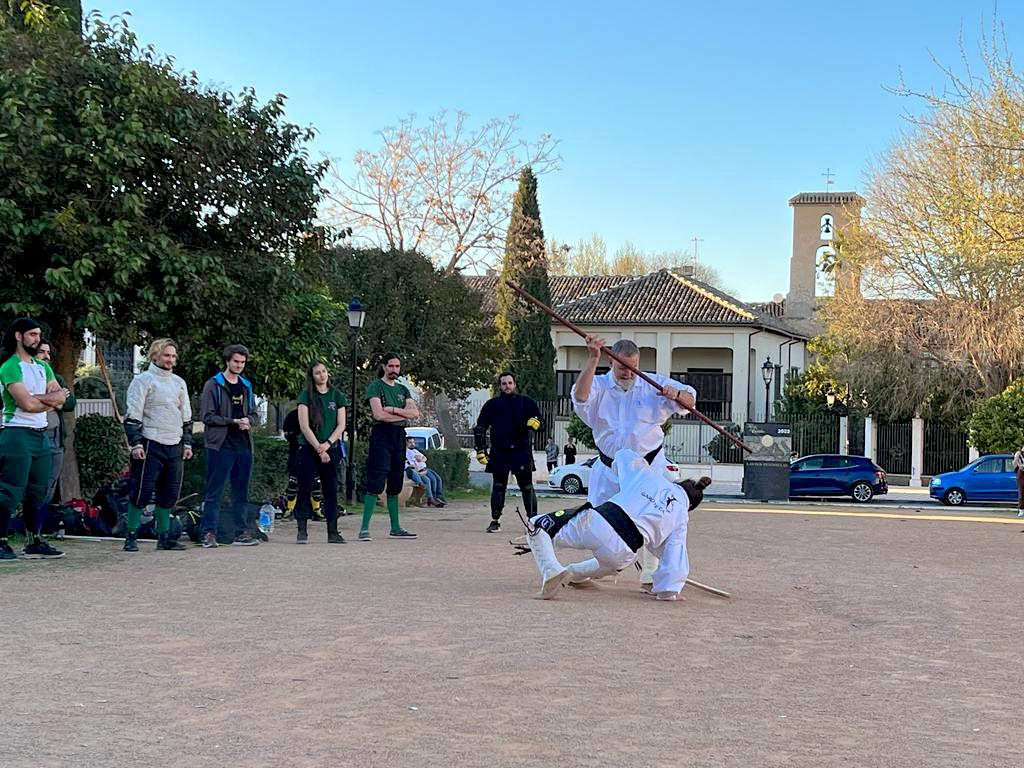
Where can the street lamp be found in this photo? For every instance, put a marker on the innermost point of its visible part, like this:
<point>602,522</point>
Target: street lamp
<point>356,317</point>
<point>767,374</point>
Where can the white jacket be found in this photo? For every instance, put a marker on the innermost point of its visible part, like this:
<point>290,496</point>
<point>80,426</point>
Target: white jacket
<point>158,400</point>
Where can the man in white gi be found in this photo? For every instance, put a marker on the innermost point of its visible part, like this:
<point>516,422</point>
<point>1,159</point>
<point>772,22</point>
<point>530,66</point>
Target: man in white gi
<point>625,411</point>
<point>647,512</point>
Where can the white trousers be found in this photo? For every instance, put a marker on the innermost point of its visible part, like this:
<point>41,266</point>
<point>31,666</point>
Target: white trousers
<point>589,531</point>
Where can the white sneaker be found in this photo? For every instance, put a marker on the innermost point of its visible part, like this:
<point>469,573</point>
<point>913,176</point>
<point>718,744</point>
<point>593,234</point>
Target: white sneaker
<point>552,584</point>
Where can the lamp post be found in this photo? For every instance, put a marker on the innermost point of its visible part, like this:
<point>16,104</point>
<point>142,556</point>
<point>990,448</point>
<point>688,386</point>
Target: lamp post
<point>356,317</point>
<point>767,374</point>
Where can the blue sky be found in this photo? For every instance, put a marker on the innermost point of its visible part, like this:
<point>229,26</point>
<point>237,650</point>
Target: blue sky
<point>676,119</point>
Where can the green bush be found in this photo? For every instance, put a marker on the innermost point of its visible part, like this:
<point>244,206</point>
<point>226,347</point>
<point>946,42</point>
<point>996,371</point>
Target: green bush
<point>997,424</point>
<point>100,449</point>
<point>452,464</point>
<point>724,450</point>
<point>269,470</point>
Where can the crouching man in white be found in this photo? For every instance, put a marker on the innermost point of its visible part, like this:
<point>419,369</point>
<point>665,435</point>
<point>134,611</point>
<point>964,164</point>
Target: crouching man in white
<point>648,511</point>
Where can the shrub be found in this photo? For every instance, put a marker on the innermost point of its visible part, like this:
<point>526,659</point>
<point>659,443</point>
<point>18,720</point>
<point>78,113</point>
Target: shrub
<point>452,464</point>
<point>100,449</point>
<point>269,470</point>
<point>997,424</point>
<point>724,450</point>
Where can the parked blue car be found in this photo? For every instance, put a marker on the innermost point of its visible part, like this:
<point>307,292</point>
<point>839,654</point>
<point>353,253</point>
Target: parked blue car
<point>834,475</point>
<point>989,478</point>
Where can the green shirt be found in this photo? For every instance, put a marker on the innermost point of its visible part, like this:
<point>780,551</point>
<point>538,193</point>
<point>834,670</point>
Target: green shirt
<point>34,374</point>
<point>331,402</point>
<point>390,396</point>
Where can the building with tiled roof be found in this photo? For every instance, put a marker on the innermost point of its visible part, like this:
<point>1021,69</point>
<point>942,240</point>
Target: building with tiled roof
<point>685,328</point>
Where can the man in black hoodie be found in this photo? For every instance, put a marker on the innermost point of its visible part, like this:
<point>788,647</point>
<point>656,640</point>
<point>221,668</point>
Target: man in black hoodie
<point>511,420</point>
<point>228,409</point>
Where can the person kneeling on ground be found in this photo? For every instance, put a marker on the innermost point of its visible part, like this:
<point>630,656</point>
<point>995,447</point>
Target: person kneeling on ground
<point>648,511</point>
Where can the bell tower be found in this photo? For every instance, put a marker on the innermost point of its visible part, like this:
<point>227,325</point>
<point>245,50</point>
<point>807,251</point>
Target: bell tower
<point>817,219</point>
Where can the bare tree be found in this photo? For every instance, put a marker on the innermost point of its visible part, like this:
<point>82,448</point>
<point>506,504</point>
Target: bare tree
<point>940,247</point>
<point>440,187</point>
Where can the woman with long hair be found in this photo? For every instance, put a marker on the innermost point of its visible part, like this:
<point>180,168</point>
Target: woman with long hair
<point>321,424</point>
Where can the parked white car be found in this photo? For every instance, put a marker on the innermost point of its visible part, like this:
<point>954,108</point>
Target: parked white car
<point>575,478</point>
<point>427,438</point>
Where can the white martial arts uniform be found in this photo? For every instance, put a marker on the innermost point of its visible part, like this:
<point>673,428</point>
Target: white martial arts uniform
<point>622,419</point>
<point>658,508</point>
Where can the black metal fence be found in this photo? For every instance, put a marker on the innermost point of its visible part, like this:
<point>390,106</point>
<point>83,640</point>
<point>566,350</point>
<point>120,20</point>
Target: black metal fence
<point>894,447</point>
<point>945,448</point>
<point>818,433</point>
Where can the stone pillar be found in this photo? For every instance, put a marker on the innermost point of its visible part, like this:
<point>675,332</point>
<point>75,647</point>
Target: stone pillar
<point>916,451</point>
<point>871,438</point>
<point>740,379</point>
<point>844,435</point>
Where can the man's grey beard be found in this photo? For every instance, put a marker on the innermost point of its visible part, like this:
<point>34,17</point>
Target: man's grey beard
<point>625,384</point>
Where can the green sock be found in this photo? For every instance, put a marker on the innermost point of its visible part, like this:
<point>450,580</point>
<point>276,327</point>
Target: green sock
<point>392,502</point>
<point>369,502</point>
<point>134,518</point>
<point>163,519</point>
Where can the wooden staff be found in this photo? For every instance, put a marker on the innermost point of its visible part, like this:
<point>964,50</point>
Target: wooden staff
<point>707,588</point>
<point>576,329</point>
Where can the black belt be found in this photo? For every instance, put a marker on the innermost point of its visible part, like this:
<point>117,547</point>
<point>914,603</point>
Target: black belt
<point>622,524</point>
<point>647,457</point>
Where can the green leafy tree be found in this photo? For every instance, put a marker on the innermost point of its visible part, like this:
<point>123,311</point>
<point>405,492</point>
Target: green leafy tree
<point>136,202</point>
<point>525,332</point>
<point>997,423</point>
<point>429,318</point>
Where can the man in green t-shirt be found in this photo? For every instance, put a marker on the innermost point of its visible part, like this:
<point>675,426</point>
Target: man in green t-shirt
<point>30,391</point>
<point>392,407</point>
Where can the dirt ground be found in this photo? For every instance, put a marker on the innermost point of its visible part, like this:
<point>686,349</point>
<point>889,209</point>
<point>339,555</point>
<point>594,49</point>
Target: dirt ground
<point>851,641</point>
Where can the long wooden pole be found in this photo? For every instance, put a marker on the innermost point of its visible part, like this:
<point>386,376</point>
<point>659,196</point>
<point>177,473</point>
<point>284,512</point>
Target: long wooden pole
<point>577,330</point>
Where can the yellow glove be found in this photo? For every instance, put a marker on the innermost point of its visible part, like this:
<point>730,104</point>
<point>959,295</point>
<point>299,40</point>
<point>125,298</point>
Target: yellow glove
<point>481,456</point>
<point>533,423</point>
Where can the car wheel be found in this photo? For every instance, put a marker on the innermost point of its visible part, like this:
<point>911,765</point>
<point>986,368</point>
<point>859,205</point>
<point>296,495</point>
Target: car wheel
<point>954,497</point>
<point>862,492</point>
<point>572,484</point>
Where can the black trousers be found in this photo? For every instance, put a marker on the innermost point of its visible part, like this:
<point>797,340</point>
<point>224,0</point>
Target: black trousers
<point>385,460</point>
<point>499,484</point>
<point>308,467</point>
<point>157,478</point>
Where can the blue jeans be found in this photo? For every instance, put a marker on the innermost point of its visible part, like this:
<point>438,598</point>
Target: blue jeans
<point>220,467</point>
<point>430,479</point>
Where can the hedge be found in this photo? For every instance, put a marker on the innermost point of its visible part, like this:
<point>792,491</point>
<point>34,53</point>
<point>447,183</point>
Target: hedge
<point>452,464</point>
<point>100,449</point>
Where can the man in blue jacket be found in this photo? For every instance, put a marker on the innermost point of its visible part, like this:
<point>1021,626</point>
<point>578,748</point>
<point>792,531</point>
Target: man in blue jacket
<point>228,409</point>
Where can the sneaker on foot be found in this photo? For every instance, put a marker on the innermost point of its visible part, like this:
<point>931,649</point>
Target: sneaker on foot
<point>210,540</point>
<point>1020,513</point>
<point>262,536</point>
<point>364,536</point>
<point>40,550</point>
<point>302,538</point>
<point>131,543</point>
<point>6,553</point>
<point>244,540</point>
<point>494,527</point>
<point>335,538</point>
<point>167,544</point>
<point>401,533</point>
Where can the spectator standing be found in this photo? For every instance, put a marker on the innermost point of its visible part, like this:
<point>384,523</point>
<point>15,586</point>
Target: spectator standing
<point>551,451</point>
<point>1018,470</point>
<point>570,452</point>
<point>55,429</point>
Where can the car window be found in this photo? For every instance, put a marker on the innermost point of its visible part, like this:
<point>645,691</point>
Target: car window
<point>421,443</point>
<point>1008,465</point>
<point>838,462</point>
<point>989,467</point>
<point>814,462</point>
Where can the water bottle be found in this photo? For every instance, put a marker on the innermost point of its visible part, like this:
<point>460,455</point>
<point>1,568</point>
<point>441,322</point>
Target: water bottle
<point>60,531</point>
<point>267,518</point>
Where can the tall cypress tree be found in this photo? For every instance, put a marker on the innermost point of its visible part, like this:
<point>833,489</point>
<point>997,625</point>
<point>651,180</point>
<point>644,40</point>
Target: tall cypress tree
<point>525,332</point>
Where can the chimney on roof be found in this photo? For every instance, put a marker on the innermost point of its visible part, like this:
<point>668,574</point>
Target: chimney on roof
<point>685,271</point>
<point>491,272</point>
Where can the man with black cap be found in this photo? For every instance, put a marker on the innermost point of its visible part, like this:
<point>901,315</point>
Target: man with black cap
<point>30,390</point>
<point>511,420</point>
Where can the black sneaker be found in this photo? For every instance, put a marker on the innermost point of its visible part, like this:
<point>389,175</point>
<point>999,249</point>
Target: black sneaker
<point>131,543</point>
<point>6,553</point>
<point>401,533</point>
<point>167,544</point>
<point>335,538</point>
<point>244,540</point>
<point>494,527</point>
<point>40,550</point>
<point>302,538</point>
<point>365,536</point>
<point>262,536</point>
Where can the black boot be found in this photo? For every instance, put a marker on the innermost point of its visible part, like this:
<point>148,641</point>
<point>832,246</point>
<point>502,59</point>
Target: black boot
<point>130,543</point>
<point>165,542</point>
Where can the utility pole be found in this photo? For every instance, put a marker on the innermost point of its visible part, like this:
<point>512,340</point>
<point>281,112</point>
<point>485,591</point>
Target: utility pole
<point>696,241</point>
<point>828,174</point>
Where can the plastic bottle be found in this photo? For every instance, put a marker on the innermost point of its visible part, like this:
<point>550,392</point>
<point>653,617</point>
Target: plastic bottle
<point>60,531</point>
<point>267,518</point>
